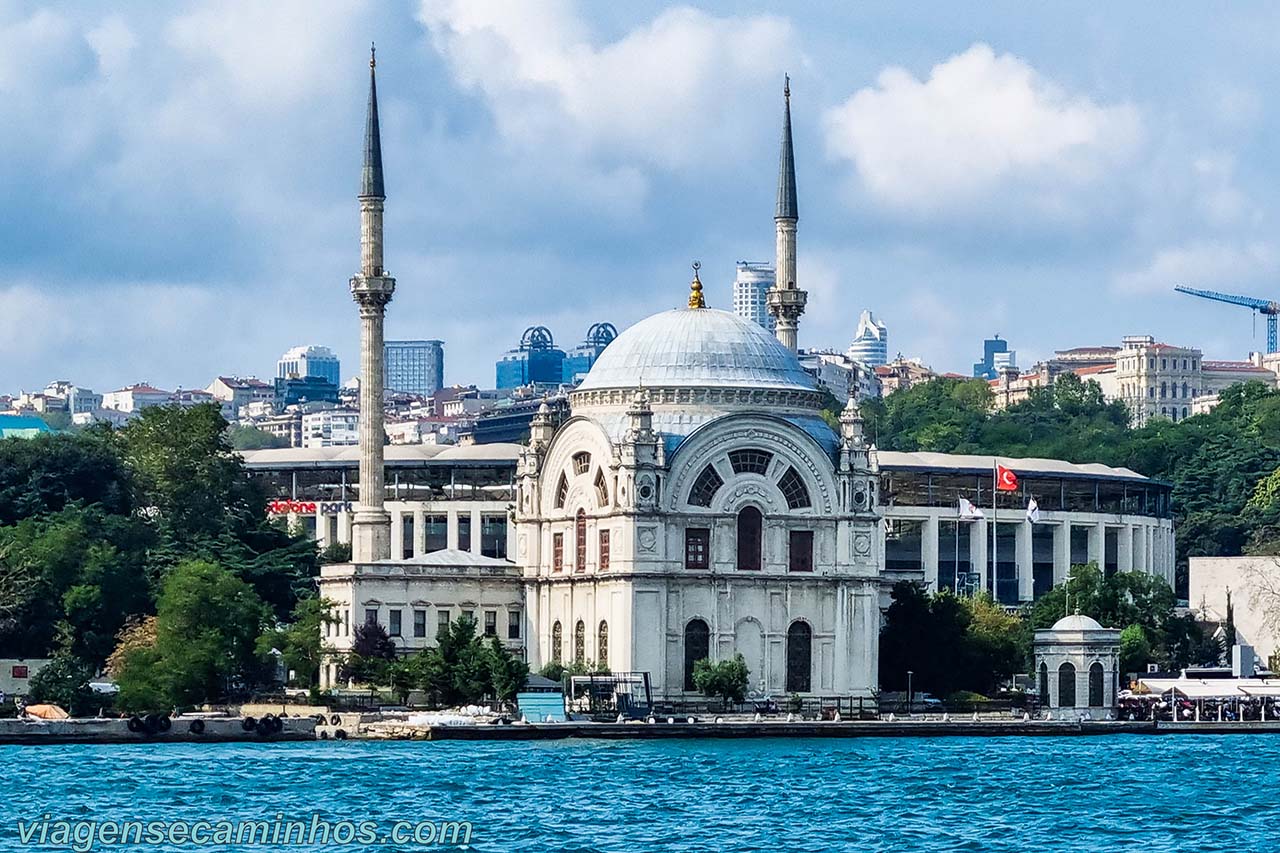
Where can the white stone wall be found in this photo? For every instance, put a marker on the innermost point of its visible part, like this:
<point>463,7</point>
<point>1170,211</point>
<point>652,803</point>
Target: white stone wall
<point>1254,584</point>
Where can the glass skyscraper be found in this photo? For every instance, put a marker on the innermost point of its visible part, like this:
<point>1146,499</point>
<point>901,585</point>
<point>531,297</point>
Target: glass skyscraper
<point>303,361</point>
<point>414,367</point>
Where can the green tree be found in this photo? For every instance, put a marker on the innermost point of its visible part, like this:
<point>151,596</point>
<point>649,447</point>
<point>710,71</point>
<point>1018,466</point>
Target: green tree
<point>64,681</point>
<point>727,679</point>
<point>458,671</point>
<point>207,625</point>
<point>45,474</point>
<point>997,642</point>
<point>202,504</point>
<point>301,642</point>
<point>1135,649</point>
<point>507,673</point>
<point>79,567</point>
<point>245,437</point>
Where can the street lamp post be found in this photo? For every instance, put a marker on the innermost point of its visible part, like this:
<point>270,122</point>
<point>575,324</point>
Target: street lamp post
<point>910,703</point>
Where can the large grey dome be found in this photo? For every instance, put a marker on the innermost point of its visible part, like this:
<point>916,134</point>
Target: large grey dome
<point>697,347</point>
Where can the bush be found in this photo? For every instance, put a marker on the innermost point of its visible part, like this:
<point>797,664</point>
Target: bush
<point>727,679</point>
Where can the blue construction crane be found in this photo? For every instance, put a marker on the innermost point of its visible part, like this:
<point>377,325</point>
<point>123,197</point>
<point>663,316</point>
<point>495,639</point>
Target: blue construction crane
<point>1262,306</point>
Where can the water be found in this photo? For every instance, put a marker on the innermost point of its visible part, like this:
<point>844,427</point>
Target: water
<point>997,794</point>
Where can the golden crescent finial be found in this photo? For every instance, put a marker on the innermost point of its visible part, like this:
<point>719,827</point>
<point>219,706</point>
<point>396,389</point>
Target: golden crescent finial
<point>695,289</point>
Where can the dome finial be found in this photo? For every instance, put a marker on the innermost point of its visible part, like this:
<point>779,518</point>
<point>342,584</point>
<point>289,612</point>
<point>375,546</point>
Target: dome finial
<point>695,289</point>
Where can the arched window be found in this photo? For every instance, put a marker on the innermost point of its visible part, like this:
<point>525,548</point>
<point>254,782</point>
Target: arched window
<point>750,461</point>
<point>697,645</point>
<point>557,642</point>
<point>602,645</point>
<point>581,462</point>
<point>580,542</point>
<point>580,643</point>
<point>750,534</point>
<point>562,490</point>
<point>705,487</point>
<point>799,657</point>
<point>602,490</point>
<point>1067,686</point>
<point>1095,685</point>
<point>1184,411</point>
<point>793,489</point>
<point>1044,684</point>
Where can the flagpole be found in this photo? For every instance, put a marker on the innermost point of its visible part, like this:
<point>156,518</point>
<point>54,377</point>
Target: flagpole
<point>995,525</point>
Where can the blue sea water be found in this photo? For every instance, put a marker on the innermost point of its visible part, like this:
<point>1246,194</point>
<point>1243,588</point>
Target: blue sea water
<point>980,794</point>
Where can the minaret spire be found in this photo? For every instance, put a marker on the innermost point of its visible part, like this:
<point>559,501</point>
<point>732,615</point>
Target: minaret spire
<point>371,288</point>
<point>371,176</point>
<point>786,301</point>
<point>787,207</point>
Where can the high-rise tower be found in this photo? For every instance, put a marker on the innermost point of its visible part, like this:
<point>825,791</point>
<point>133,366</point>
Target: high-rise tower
<point>371,288</point>
<point>786,301</point>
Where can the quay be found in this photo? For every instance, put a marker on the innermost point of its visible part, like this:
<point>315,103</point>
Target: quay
<point>181,729</point>
<point>404,730</point>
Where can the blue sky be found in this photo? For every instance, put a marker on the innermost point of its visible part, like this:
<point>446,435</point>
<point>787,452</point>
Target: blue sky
<point>180,178</point>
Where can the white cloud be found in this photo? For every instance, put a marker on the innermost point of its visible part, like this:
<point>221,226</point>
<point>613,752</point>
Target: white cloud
<point>678,91</point>
<point>980,123</point>
<point>1215,265</point>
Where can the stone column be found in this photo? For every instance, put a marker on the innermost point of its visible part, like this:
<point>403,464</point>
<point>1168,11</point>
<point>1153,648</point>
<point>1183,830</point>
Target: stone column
<point>419,532</point>
<point>1061,552</point>
<point>929,552</point>
<point>979,547</point>
<point>1124,546</point>
<point>397,535</point>
<point>371,528</point>
<point>1026,575</point>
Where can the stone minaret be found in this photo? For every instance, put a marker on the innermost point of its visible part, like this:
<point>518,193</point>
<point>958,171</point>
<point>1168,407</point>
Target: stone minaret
<point>786,302</point>
<point>371,288</point>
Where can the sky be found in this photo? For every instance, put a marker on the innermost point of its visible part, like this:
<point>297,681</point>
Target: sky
<point>179,179</point>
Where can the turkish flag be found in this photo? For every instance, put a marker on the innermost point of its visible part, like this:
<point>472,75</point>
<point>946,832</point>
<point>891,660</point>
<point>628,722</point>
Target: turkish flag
<point>1006,480</point>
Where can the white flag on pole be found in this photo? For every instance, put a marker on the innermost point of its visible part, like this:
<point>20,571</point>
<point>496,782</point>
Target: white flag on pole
<point>1033,511</point>
<point>968,510</point>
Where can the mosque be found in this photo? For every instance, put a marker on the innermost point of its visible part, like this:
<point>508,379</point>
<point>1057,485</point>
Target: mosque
<point>694,504</point>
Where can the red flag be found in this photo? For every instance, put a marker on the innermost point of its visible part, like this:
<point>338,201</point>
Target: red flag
<point>1006,480</point>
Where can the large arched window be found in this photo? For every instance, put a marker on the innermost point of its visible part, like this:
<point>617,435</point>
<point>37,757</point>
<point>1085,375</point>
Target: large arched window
<point>1044,684</point>
<point>580,643</point>
<point>750,461</point>
<point>580,542</point>
<point>697,645</point>
<point>557,642</point>
<point>750,536</point>
<point>602,645</point>
<point>793,489</point>
<point>1095,685</point>
<point>705,487</point>
<point>1067,686</point>
<point>799,657</point>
